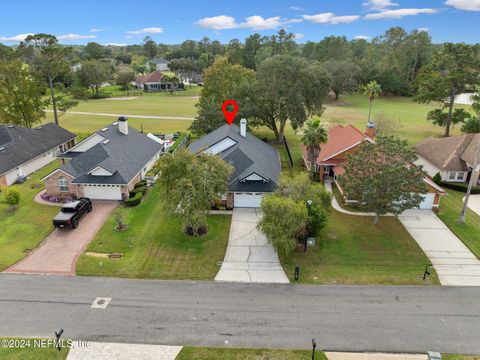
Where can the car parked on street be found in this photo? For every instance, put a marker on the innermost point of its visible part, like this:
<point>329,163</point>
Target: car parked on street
<point>71,212</point>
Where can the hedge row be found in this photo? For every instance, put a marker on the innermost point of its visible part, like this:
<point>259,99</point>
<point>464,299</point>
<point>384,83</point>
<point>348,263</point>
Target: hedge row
<point>135,200</point>
<point>140,184</point>
<point>460,187</point>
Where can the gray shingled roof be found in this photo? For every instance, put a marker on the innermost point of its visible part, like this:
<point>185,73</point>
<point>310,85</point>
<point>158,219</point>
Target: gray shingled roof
<point>123,155</point>
<point>249,155</point>
<point>20,145</point>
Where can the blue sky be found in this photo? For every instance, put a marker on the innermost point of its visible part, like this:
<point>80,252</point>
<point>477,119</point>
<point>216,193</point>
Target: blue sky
<point>128,22</point>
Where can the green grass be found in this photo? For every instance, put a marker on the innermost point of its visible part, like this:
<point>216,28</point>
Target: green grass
<point>26,350</point>
<point>29,224</point>
<point>469,233</point>
<point>194,353</point>
<point>155,246</point>
<point>351,250</point>
<point>460,357</point>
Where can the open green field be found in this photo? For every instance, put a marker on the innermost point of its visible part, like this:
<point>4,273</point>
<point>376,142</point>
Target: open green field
<point>469,233</point>
<point>352,250</point>
<point>197,353</point>
<point>25,349</point>
<point>155,246</point>
<point>350,109</point>
<point>25,227</point>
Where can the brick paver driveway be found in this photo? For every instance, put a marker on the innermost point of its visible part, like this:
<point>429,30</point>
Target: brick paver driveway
<point>58,253</point>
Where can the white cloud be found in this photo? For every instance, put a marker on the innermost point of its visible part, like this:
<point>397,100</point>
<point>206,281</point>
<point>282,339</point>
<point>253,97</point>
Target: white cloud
<point>145,31</point>
<point>72,37</point>
<point>399,13</point>
<point>424,29</point>
<point>362,37</point>
<point>299,36</point>
<point>469,5</point>
<point>255,22</point>
<point>379,5</point>
<point>16,38</point>
<point>221,22</point>
<point>259,23</point>
<point>330,18</point>
<point>114,44</point>
<point>96,30</point>
<point>296,8</point>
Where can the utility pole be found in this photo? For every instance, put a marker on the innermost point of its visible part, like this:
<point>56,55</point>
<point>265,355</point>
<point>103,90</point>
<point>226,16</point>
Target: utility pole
<point>476,167</point>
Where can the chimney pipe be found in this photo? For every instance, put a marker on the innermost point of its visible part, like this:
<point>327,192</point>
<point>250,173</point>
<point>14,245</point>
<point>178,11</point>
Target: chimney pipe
<point>243,127</point>
<point>123,125</point>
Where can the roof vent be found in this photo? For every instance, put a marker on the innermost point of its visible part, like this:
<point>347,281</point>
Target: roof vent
<point>115,123</point>
<point>38,128</point>
<point>106,142</point>
<point>2,148</point>
<point>11,126</point>
<point>104,129</point>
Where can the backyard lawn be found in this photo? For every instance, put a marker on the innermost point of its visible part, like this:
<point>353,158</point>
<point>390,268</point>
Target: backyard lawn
<point>351,250</point>
<point>155,246</point>
<point>28,225</point>
<point>469,233</point>
<point>197,353</point>
<point>28,351</point>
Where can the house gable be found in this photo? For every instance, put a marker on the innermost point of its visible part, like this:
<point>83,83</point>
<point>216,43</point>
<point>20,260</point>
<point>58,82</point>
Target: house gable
<point>254,177</point>
<point>100,171</point>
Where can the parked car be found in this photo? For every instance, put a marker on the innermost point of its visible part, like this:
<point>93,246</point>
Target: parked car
<point>71,213</point>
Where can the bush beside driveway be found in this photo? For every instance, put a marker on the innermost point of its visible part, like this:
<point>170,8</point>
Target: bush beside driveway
<point>155,247</point>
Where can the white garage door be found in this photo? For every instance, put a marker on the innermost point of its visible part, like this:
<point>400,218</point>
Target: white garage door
<point>427,202</point>
<point>100,192</point>
<point>247,200</point>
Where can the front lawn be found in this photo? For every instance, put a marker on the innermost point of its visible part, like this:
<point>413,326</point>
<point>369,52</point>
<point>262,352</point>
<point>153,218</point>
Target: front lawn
<point>469,233</point>
<point>197,353</point>
<point>155,247</point>
<point>26,349</point>
<point>29,224</point>
<point>351,250</point>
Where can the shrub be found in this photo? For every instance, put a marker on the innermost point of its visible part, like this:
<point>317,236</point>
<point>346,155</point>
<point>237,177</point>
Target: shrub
<point>460,187</point>
<point>437,179</point>
<point>12,197</point>
<point>140,184</point>
<point>135,200</point>
<point>142,189</point>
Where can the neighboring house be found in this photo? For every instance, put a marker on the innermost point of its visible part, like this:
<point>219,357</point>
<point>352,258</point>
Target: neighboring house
<point>106,165</point>
<point>344,140</point>
<point>153,82</point>
<point>257,164</point>
<point>24,151</point>
<point>452,157</point>
<point>464,98</point>
<point>160,64</point>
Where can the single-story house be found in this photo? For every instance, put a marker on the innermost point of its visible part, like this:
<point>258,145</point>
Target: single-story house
<point>452,157</point>
<point>256,163</point>
<point>344,140</point>
<point>24,150</point>
<point>464,98</point>
<point>153,82</point>
<point>106,165</point>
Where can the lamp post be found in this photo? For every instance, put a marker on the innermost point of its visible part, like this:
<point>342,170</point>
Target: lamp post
<point>309,205</point>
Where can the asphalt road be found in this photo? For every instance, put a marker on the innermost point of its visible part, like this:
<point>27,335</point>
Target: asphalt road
<point>342,318</point>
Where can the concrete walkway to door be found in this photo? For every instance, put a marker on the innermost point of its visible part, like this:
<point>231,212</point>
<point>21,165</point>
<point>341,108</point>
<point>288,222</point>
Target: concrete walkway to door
<point>454,262</point>
<point>249,258</point>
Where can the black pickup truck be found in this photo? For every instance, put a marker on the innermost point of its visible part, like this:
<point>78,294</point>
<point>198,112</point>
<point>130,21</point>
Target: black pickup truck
<point>71,213</point>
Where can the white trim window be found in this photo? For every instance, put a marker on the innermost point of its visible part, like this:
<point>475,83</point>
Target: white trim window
<point>461,176</point>
<point>451,175</point>
<point>63,184</point>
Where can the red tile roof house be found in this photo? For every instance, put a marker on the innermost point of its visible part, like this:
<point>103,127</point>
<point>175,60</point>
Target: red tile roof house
<point>344,140</point>
<point>153,82</point>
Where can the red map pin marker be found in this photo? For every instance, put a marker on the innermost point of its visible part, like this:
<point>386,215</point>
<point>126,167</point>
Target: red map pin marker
<point>229,115</point>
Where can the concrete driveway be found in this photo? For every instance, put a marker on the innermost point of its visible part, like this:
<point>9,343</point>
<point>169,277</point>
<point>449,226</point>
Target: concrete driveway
<point>454,262</point>
<point>249,258</point>
<point>474,203</point>
<point>58,253</point>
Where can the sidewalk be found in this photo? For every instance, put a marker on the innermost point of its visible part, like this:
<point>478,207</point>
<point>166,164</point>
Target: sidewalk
<point>107,351</point>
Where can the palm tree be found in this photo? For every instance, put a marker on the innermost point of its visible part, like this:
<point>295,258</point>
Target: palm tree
<point>314,135</point>
<point>372,90</point>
